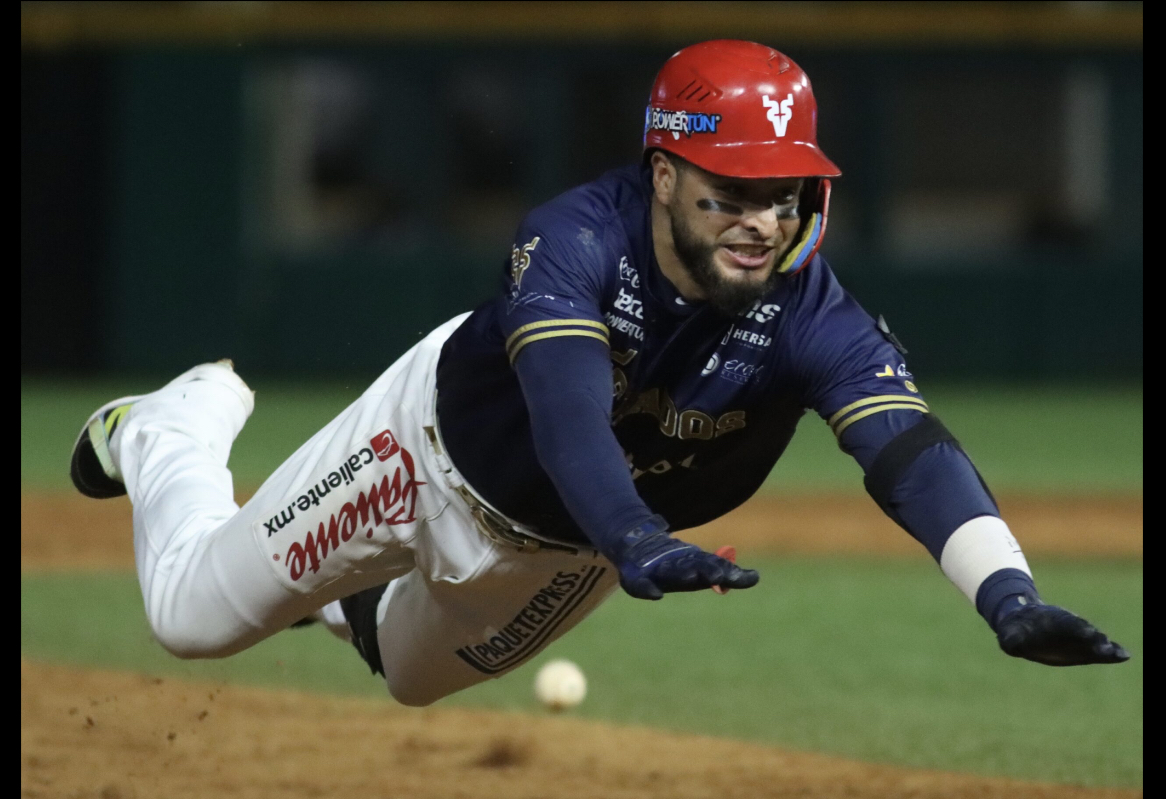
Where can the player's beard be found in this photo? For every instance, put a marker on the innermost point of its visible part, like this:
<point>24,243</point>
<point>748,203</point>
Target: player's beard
<point>730,297</point>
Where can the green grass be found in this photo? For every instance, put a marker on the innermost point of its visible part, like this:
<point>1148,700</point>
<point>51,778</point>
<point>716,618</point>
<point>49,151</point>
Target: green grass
<point>1022,439</point>
<point>1048,439</point>
<point>878,660</point>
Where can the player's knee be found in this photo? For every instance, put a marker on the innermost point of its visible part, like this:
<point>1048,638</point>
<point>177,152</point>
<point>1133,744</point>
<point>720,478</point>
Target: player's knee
<point>412,692</point>
<point>194,643</point>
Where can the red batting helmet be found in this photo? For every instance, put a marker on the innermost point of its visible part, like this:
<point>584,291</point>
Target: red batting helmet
<point>744,110</point>
<point>738,109</point>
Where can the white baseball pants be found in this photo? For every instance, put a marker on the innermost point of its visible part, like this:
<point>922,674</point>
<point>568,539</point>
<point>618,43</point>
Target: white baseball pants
<point>367,500</point>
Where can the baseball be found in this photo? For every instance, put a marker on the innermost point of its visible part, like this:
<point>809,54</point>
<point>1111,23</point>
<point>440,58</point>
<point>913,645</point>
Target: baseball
<point>560,685</point>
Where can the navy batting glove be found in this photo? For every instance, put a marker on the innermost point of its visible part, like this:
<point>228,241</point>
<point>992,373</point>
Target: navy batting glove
<point>652,563</point>
<point>1055,637</point>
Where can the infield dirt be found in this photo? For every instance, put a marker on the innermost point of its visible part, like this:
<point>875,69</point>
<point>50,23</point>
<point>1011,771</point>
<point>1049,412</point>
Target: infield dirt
<point>107,735</point>
<point>123,736</point>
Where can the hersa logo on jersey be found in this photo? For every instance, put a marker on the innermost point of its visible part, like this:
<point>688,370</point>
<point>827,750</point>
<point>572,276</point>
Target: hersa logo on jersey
<point>779,113</point>
<point>520,260</point>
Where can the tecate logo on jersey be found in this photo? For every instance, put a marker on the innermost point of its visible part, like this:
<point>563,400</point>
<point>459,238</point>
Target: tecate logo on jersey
<point>677,122</point>
<point>629,304</point>
<point>628,274</point>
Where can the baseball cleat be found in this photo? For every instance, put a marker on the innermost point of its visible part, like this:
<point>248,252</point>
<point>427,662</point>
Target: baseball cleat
<point>92,468</point>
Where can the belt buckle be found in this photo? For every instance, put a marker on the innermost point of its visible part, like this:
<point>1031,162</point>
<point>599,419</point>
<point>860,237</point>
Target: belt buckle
<point>500,533</point>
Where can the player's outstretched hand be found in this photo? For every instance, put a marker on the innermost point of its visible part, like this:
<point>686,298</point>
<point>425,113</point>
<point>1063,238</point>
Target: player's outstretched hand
<point>1055,637</point>
<point>653,563</point>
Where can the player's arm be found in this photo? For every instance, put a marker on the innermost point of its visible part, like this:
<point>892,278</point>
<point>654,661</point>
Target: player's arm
<point>920,476</point>
<point>567,387</point>
<point>558,347</point>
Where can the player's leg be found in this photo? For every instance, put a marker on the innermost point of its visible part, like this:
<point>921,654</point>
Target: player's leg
<point>333,618</point>
<point>334,519</point>
<point>209,585</point>
<point>466,616</point>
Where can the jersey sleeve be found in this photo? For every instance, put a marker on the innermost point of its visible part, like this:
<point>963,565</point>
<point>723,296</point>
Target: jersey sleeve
<point>552,318</point>
<point>850,366</point>
<point>854,375</point>
<point>553,286</point>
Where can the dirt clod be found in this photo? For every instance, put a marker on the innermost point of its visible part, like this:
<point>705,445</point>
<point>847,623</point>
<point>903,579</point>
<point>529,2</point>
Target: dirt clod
<point>504,753</point>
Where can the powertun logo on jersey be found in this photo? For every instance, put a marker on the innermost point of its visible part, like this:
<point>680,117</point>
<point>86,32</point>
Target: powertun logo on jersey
<point>535,624</point>
<point>391,499</point>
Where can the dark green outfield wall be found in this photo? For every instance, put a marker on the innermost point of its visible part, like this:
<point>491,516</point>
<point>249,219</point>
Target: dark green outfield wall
<point>173,271</point>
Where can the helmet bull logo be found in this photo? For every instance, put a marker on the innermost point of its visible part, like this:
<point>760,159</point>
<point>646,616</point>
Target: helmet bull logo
<point>779,113</point>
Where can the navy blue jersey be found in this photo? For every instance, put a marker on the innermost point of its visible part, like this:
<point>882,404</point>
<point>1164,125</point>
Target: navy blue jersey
<point>703,404</point>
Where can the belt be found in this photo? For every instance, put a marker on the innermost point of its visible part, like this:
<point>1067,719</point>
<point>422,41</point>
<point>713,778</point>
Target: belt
<point>492,524</point>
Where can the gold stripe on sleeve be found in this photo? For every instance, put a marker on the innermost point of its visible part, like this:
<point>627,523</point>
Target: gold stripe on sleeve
<point>554,334</point>
<point>871,400</point>
<point>894,406</point>
<point>554,323</point>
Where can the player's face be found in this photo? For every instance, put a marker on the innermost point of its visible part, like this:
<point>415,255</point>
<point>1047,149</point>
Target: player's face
<point>729,233</point>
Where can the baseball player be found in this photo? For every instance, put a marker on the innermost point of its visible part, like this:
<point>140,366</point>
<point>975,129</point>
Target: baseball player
<point>658,335</point>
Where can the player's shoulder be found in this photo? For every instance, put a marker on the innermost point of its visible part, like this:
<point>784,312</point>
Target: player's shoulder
<point>582,227</point>
<point>816,303</point>
<point>818,312</point>
<point>813,289</point>
<point>590,213</point>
